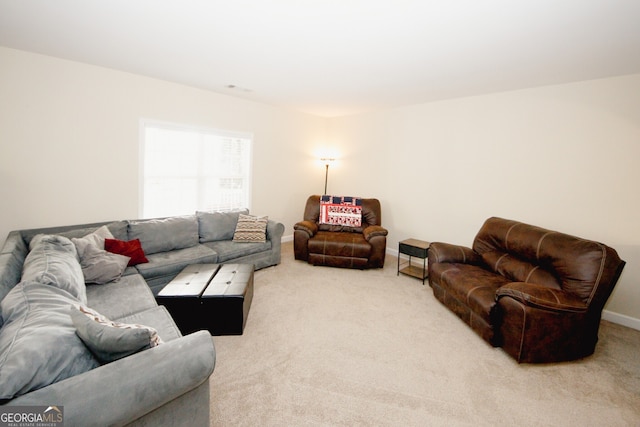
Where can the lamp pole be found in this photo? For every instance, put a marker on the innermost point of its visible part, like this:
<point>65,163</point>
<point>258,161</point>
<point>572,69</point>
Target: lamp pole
<point>326,176</point>
<point>326,171</point>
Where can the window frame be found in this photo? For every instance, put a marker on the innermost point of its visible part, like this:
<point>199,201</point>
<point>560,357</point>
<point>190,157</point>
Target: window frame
<point>145,123</point>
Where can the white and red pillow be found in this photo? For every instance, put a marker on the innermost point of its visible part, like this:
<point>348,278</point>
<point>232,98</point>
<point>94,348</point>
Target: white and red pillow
<point>341,210</point>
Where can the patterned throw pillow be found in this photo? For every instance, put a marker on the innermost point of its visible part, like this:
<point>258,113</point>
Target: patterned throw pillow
<point>109,340</point>
<point>251,229</point>
<point>345,211</point>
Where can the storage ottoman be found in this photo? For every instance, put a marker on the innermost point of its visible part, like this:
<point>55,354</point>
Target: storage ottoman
<point>226,301</point>
<point>210,296</point>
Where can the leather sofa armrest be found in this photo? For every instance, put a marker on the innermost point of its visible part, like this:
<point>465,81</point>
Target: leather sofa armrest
<point>310,227</point>
<point>374,231</point>
<point>542,297</point>
<point>447,252</point>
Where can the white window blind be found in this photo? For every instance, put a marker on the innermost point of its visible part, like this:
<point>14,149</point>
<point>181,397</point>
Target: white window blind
<point>186,169</point>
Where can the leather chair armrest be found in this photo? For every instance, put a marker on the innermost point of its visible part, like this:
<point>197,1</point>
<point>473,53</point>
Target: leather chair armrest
<point>374,231</point>
<point>542,297</point>
<point>309,227</point>
<point>447,252</point>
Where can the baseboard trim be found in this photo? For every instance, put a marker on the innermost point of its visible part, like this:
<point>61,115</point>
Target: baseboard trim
<point>621,319</point>
<point>286,239</point>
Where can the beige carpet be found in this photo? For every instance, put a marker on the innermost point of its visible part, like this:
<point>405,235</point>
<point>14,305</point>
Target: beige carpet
<point>337,347</point>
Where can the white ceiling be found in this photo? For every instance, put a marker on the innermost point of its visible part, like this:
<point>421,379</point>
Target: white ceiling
<point>337,57</point>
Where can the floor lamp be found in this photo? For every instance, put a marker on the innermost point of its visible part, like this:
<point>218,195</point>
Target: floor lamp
<point>327,161</point>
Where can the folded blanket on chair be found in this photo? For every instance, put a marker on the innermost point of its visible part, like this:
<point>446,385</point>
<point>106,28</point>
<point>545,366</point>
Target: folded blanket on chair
<point>339,210</point>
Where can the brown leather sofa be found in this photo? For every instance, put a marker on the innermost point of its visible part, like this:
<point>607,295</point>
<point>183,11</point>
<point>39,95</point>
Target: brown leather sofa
<point>341,246</point>
<point>537,293</point>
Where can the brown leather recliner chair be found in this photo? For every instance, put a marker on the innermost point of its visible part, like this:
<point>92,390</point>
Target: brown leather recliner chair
<point>341,246</point>
<point>537,293</point>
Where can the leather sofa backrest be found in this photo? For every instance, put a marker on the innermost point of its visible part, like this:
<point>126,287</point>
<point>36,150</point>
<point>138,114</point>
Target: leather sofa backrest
<point>371,215</point>
<point>526,253</point>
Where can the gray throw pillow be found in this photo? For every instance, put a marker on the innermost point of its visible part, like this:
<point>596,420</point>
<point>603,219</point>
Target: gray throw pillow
<point>92,239</point>
<point>53,260</point>
<point>100,266</point>
<point>38,342</point>
<point>215,226</point>
<point>109,340</point>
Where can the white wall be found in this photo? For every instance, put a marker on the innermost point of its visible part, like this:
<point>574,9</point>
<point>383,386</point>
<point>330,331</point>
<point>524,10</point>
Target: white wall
<point>69,141</point>
<point>562,157</point>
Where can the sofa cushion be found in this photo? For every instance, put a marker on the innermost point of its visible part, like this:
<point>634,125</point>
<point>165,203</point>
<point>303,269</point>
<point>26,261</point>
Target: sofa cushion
<point>519,270</point>
<point>10,272</point>
<point>215,226</point>
<point>12,258</point>
<point>38,342</point>
<point>472,285</point>
<point>127,296</point>
<point>53,260</point>
<point>228,250</point>
<point>132,249</point>
<point>165,263</point>
<point>340,244</point>
<point>159,318</point>
<point>117,228</point>
<point>109,340</point>
<point>163,235</point>
<point>251,229</point>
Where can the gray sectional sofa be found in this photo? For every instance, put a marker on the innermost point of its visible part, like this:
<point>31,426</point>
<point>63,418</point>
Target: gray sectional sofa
<point>50,356</point>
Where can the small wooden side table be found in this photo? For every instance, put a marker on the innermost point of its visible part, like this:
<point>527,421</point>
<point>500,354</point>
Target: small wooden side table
<point>414,248</point>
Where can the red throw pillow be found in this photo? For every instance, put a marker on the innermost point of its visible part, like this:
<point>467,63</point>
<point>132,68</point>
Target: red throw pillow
<point>132,249</point>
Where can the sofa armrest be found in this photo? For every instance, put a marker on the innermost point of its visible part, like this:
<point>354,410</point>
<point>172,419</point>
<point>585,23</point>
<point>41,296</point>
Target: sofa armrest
<point>542,297</point>
<point>122,391</point>
<point>309,227</point>
<point>447,252</point>
<point>275,230</point>
<point>374,231</point>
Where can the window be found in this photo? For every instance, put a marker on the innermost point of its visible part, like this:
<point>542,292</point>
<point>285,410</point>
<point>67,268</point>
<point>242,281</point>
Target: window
<point>186,169</point>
